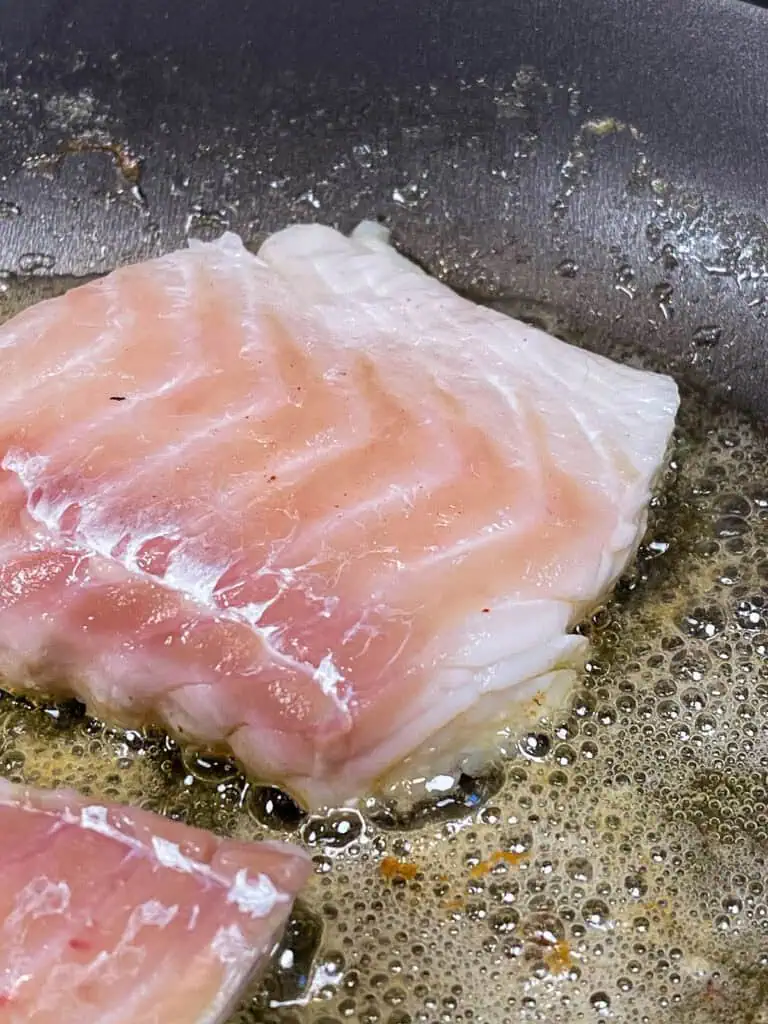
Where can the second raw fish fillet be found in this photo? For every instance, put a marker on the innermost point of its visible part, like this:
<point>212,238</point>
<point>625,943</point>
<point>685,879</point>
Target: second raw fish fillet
<point>110,915</point>
<point>310,507</point>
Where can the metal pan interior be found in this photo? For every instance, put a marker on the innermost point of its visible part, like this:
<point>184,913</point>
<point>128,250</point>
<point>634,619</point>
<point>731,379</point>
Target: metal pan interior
<point>612,863</point>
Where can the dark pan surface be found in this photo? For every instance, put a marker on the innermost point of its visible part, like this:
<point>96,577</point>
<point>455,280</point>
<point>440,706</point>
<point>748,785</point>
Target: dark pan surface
<point>610,160</point>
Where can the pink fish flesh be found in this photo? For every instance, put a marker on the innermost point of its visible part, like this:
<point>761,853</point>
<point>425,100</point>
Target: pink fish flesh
<point>311,507</point>
<point>110,915</point>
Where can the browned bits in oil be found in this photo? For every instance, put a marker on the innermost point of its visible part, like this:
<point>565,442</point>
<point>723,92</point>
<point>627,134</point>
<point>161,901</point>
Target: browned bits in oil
<point>455,903</point>
<point>498,857</point>
<point>391,867</point>
<point>558,959</point>
<point>537,701</point>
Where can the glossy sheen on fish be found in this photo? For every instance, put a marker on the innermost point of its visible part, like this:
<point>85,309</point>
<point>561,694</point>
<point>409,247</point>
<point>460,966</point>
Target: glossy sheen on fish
<point>311,507</point>
<point>110,915</point>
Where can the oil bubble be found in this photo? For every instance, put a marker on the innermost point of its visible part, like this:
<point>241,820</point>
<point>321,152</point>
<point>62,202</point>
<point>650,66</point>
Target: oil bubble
<point>275,809</point>
<point>31,262</point>
<point>596,913</point>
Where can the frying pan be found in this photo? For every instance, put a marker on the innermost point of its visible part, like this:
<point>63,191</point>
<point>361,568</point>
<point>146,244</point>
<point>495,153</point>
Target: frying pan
<point>595,167</point>
<point>254,116</point>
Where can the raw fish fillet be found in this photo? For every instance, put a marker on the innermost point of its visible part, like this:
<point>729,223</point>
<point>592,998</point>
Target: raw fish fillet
<point>111,915</point>
<point>310,507</point>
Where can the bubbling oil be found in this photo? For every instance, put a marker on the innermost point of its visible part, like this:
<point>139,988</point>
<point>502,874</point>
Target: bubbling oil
<point>612,865</point>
